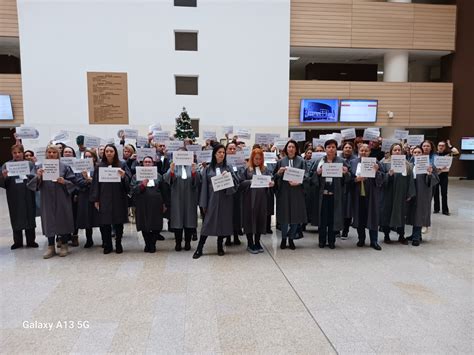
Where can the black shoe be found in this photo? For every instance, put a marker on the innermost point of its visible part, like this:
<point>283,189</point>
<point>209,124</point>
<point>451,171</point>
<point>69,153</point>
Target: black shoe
<point>89,244</point>
<point>269,231</point>
<point>197,254</point>
<point>178,247</point>
<point>220,252</point>
<point>237,240</point>
<point>447,213</point>
<point>118,246</point>
<point>291,244</point>
<point>344,235</point>
<point>283,243</point>
<point>299,235</point>
<point>146,249</point>
<point>415,243</point>
<point>332,246</point>
<point>402,240</point>
<point>410,238</point>
<point>387,240</point>
<point>258,247</point>
<point>32,245</point>
<point>108,250</point>
<point>195,237</point>
<point>16,246</point>
<point>375,246</point>
<point>321,245</point>
<point>152,248</point>
<point>187,245</point>
<point>241,232</point>
<point>228,242</point>
<point>360,243</point>
<point>435,211</point>
<point>160,237</point>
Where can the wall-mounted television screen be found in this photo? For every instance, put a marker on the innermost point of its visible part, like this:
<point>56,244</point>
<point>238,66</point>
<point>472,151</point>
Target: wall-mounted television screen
<point>6,111</point>
<point>358,111</point>
<point>319,110</point>
<point>467,143</point>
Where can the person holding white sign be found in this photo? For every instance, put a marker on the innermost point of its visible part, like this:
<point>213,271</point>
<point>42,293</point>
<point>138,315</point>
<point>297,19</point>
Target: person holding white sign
<point>217,205</point>
<point>110,199</point>
<point>254,200</point>
<point>290,198</point>
<point>150,205</point>
<point>87,215</point>
<point>20,199</point>
<point>348,155</point>
<point>56,208</point>
<point>184,182</point>
<point>398,189</point>
<point>231,149</point>
<point>419,207</point>
<point>446,150</point>
<point>69,152</point>
<point>328,208</point>
<point>365,199</point>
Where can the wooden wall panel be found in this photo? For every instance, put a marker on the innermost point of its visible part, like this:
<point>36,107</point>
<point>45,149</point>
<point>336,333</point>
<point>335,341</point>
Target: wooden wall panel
<point>435,27</point>
<point>321,23</point>
<point>414,104</point>
<point>8,18</point>
<point>431,104</point>
<point>10,84</point>
<point>382,25</point>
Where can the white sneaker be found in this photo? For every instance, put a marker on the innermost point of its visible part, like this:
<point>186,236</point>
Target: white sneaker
<point>424,230</point>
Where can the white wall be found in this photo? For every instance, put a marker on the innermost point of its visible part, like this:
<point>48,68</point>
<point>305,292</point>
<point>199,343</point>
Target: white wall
<point>242,61</point>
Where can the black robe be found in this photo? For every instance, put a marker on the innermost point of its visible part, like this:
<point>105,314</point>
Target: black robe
<point>87,214</point>
<point>149,205</point>
<point>21,201</point>
<point>112,197</point>
<point>419,207</point>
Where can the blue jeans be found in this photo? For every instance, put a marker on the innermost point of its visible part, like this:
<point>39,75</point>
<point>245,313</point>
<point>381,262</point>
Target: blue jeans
<point>288,230</point>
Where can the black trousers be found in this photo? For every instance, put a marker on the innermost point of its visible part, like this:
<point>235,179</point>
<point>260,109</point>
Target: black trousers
<point>106,232</point>
<point>400,231</point>
<point>443,186</point>
<point>326,225</point>
<point>29,234</point>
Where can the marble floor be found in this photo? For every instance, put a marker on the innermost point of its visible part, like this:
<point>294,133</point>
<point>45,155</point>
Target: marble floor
<point>309,301</point>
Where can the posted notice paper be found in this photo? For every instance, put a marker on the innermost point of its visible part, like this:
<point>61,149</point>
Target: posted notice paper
<point>204,156</point>
<point>367,167</point>
<point>222,182</point>
<point>80,165</point>
<point>415,139</point>
<point>146,172</point>
<point>298,136</point>
<point>349,133</point>
<point>422,162</point>
<point>109,174</point>
<point>332,170</point>
<point>260,181</point>
<point>443,162</point>
<point>294,175</point>
<point>400,134</point>
<point>398,164</point>
<point>51,169</point>
<point>182,157</point>
<point>26,132</point>
<point>146,152</point>
<point>18,168</point>
<point>370,134</point>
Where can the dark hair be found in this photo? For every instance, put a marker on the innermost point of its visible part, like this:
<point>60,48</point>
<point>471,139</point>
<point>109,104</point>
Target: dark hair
<point>214,151</point>
<point>306,145</point>
<point>153,160</point>
<point>61,144</point>
<point>330,141</point>
<point>73,151</point>
<point>295,144</point>
<point>431,145</point>
<point>116,161</point>
<point>94,155</point>
<point>346,143</point>
<point>80,140</point>
<point>30,151</point>
<point>231,142</point>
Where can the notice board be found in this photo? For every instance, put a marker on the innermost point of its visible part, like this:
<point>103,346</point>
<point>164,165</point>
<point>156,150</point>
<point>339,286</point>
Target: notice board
<point>108,98</point>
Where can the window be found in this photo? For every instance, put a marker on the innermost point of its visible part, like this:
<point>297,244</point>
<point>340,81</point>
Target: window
<point>185,41</point>
<point>187,3</point>
<point>186,85</point>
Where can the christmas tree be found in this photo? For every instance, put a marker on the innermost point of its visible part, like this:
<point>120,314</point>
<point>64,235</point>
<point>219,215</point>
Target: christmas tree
<point>183,127</point>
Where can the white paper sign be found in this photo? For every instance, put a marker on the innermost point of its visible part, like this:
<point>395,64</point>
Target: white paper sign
<point>294,175</point>
<point>318,142</point>
<point>246,152</point>
<point>269,157</point>
<point>204,156</point>
<point>332,170</point>
<point>182,157</point>
<point>209,135</point>
<point>367,167</point>
<point>40,154</point>
<point>281,142</point>
<point>80,165</point>
<point>146,152</point>
<point>193,147</point>
<point>109,174</point>
<point>263,138</point>
<point>173,146</point>
<point>222,182</point>
<point>62,136</point>
<point>422,163</point>
<point>349,133</point>
<point>260,181</point>
<point>371,134</point>
<point>228,129</point>
<point>400,134</point>
<point>387,144</point>
<point>298,136</point>
<point>318,155</point>
<point>161,136</point>
<point>398,164</point>
<point>26,133</point>
<point>443,162</point>
<point>154,127</point>
<point>243,133</point>
<point>91,142</point>
<point>236,160</point>
<point>141,141</point>
<point>51,169</point>
<point>128,133</point>
<point>415,139</point>
<point>146,172</point>
<point>67,160</point>
<point>18,168</point>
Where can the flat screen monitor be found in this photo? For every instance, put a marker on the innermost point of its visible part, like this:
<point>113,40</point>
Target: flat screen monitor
<point>319,110</point>
<point>467,143</point>
<point>6,111</point>
<point>358,111</point>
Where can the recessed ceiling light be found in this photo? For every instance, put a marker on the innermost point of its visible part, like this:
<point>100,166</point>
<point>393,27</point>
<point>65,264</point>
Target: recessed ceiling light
<point>380,72</point>
<point>294,58</point>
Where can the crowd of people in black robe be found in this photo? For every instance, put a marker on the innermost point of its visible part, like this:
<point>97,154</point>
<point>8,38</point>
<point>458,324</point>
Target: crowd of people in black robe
<point>182,194</point>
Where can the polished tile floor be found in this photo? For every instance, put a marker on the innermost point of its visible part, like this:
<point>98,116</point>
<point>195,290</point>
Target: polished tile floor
<point>349,300</point>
